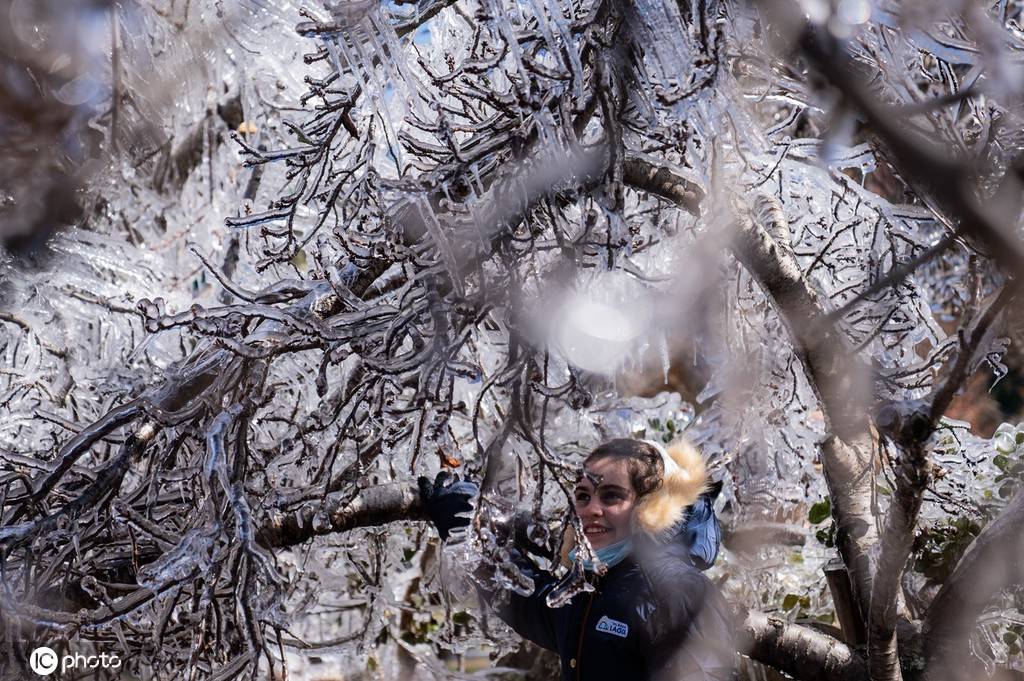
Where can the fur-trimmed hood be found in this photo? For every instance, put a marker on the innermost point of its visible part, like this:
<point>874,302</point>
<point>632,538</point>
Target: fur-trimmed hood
<point>686,478</point>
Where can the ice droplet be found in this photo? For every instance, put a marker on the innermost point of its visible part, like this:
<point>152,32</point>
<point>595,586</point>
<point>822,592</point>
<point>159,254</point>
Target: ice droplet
<point>1004,442</point>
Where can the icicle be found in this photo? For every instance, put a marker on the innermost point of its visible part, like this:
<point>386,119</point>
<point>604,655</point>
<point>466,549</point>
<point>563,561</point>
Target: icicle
<point>414,91</point>
<point>440,238</point>
<point>575,582</point>
<point>500,17</point>
<point>662,24</point>
<point>565,34</point>
<point>360,63</point>
<point>666,362</point>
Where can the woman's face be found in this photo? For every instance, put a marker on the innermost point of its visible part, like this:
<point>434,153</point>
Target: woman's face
<point>604,500</point>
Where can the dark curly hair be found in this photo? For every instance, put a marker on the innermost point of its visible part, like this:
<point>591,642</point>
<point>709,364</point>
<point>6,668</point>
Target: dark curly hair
<point>643,461</point>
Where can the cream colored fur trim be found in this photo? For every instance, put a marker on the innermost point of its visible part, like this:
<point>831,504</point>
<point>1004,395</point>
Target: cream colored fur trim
<point>662,509</point>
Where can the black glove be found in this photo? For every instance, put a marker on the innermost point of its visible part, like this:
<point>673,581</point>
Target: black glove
<point>446,500</point>
<point>702,533</point>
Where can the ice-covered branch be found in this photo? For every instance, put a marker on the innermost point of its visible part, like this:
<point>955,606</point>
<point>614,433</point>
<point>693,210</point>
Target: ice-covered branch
<point>914,427</point>
<point>105,486</point>
<point>799,651</point>
<point>833,373</point>
<point>895,545</point>
<point>75,448</point>
<point>824,352</point>
<point>827,361</point>
<point>341,512</point>
<point>972,338</point>
<point>993,562</point>
<point>946,181</point>
<point>659,180</point>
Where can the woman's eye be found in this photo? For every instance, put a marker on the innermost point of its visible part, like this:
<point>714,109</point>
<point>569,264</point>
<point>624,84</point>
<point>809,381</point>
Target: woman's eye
<point>611,497</point>
<point>582,498</point>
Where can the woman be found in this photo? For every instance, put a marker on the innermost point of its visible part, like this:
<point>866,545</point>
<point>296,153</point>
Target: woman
<point>652,613</point>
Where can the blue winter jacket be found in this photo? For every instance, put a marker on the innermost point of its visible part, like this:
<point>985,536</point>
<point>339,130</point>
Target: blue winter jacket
<point>654,616</point>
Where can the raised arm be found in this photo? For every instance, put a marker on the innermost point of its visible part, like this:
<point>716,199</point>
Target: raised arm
<point>448,503</point>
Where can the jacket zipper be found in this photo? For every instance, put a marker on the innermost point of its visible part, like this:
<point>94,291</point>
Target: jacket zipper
<point>583,632</point>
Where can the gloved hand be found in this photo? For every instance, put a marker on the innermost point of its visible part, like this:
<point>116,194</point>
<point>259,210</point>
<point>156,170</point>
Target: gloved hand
<point>702,533</point>
<point>446,501</point>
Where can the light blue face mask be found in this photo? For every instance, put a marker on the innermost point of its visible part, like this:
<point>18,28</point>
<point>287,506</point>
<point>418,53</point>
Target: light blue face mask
<point>610,555</point>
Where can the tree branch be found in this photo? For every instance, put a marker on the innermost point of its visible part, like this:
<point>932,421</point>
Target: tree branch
<point>893,278</point>
<point>912,477</point>
<point>76,447</point>
<point>642,173</point>
<point>993,562</point>
<point>959,372</point>
<point>802,652</point>
<point>824,354</point>
<point>895,544</point>
<point>339,512</point>
<point>832,374</point>
<point>947,181</point>
<point>822,349</point>
<point>107,483</point>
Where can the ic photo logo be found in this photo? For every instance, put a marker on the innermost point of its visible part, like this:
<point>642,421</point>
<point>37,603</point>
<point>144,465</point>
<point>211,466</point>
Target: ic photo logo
<point>44,661</point>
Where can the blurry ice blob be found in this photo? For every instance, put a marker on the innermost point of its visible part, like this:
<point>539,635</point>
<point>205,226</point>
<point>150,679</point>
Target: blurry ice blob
<point>28,22</point>
<point>817,11</point>
<point>854,12</point>
<point>601,325</point>
<point>683,416</point>
<point>81,90</point>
